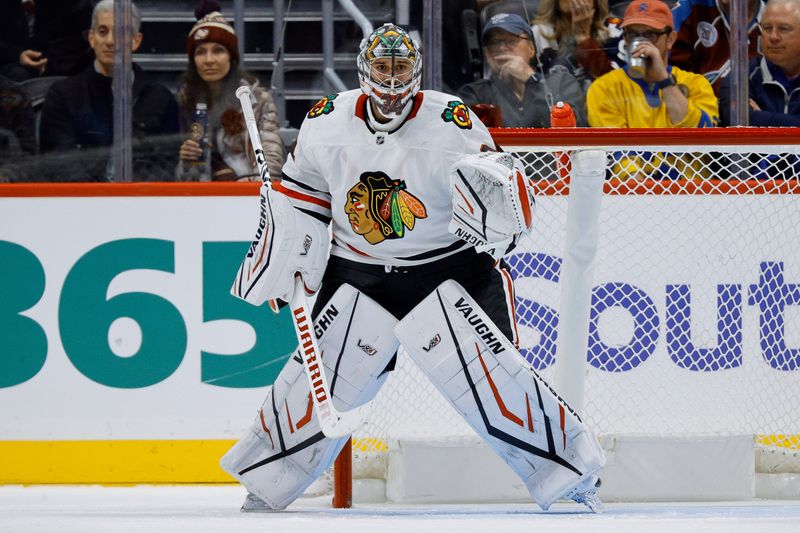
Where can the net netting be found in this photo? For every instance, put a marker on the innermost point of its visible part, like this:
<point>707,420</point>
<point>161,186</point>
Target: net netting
<point>695,308</point>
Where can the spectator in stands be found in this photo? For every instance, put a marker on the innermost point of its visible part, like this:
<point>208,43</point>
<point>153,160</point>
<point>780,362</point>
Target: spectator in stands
<point>775,78</point>
<point>17,135</point>
<point>703,44</point>
<point>78,111</point>
<point>523,94</point>
<point>579,34</point>
<point>16,118</point>
<point>56,46</point>
<point>666,96</point>
<point>15,57</point>
<point>524,8</point>
<point>213,77</point>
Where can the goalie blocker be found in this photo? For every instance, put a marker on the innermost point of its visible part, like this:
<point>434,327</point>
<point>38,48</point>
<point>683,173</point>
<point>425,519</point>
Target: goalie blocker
<point>503,399</point>
<point>287,241</point>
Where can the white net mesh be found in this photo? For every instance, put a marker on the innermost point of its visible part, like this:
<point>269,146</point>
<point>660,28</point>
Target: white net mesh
<point>695,315</point>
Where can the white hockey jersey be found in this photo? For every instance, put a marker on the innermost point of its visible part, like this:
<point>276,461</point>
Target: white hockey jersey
<point>386,193</point>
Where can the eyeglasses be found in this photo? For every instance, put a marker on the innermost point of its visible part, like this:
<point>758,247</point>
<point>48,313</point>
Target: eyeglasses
<point>650,35</point>
<point>782,29</point>
<point>509,42</point>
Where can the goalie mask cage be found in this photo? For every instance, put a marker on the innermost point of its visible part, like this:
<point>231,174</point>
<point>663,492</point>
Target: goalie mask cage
<point>662,301</point>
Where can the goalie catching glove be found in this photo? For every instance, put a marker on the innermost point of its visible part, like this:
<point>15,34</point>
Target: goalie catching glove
<point>287,241</point>
<point>492,202</point>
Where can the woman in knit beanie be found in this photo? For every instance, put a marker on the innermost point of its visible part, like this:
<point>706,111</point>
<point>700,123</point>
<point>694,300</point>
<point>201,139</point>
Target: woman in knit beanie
<point>212,78</point>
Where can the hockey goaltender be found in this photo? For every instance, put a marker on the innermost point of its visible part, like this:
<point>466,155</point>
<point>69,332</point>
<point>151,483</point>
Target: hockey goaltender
<point>421,209</point>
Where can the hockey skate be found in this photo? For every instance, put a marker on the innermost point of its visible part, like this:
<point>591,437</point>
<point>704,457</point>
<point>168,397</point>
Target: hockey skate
<point>254,504</point>
<point>586,493</point>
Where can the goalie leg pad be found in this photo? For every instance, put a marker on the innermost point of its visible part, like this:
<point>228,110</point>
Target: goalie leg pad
<point>286,241</point>
<point>285,450</point>
<point>505,401</point>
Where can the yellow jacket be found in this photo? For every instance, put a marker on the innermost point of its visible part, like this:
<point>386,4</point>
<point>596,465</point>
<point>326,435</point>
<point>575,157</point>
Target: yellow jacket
<point>616,100</point>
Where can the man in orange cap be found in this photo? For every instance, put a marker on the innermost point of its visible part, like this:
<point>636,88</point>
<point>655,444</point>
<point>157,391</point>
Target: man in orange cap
<point>659,95</point>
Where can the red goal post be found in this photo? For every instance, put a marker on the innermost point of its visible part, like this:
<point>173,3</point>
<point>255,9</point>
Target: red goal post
<point>665,301</point>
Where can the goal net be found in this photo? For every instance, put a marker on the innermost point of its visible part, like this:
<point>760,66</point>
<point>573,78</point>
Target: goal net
<point>688,262</point>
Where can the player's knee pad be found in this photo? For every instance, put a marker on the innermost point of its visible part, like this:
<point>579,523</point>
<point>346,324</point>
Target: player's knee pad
<point>285,450</point>
<point>286,241</point>
<point>505,401</point>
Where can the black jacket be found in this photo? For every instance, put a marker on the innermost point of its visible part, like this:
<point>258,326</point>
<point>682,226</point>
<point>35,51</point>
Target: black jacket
<point>532,111</point>
<point>59,32</point>
<point>78,114</point>
<point>17,136</point>
<point>13,31</point>
<point>16,116</point>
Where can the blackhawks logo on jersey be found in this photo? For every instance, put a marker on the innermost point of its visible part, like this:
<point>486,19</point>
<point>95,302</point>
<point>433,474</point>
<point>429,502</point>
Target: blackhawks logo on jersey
<point>381,208</point>
<point>323,107</point>
<point>458,113</point>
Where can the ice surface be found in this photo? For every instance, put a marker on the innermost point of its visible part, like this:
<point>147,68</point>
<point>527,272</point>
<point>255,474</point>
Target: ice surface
<point>215,508</point>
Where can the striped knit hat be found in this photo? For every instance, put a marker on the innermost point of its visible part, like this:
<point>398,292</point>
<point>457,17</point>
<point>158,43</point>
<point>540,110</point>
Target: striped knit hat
<point>212,27</point>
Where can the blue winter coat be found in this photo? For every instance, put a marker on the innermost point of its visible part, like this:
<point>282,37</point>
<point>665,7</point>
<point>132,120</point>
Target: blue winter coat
<point>777,96</point>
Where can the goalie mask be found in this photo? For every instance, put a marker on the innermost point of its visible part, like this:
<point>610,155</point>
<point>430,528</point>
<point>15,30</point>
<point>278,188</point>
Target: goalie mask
<point>390,69</point>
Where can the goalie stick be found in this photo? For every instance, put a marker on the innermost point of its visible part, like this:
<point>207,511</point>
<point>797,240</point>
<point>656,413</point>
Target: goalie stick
<point>334,424</point>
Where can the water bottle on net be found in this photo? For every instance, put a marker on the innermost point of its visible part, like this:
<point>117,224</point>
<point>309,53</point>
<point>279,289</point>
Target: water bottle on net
<point>199,133</point>
<point>562,116</point>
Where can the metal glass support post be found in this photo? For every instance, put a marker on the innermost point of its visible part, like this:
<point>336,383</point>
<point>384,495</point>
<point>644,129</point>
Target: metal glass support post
<point>740,90</point>
<point>432,44</point>
<point>277,83</point>
<point>402,13</point>
<point>121,150</point>
<point>238,26</point>
<point>333,83</point>
<point>359,17</point>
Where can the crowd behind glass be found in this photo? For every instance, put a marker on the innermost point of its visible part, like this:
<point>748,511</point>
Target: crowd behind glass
<point>638,64</point>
